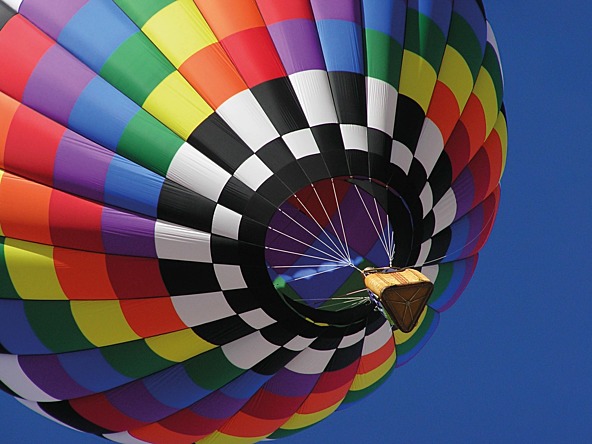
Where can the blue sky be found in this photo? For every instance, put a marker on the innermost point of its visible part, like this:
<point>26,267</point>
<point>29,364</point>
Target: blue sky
<point>511,361</point>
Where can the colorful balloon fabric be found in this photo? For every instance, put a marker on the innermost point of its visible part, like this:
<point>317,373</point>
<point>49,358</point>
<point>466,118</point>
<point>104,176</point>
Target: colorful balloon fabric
<point>189,191</point>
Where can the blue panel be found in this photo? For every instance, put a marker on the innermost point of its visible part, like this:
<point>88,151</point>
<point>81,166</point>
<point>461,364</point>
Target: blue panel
<point>15,331</point>
<point>95,32</point>
<point>470,11</point>
<point>342,45</point>
<point>91,370</point>
<point>459,271</point>
<point>101,113</point>
<point>246,385</point>
<point>464,232</point>
<point>406,357</point>
<point>387,17</point>
<point>174,388</point>
<point>439,11</point>
<point>132,187</point>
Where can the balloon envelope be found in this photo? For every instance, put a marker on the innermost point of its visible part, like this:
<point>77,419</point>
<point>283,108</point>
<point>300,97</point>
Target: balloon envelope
<point>190,190</point>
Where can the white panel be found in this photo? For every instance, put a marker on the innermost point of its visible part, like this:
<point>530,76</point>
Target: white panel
<point>377,339</point>
<point>181,243</point>
<point>355,137</point>
<point>196,172</point>
<point>314,94</point>
<point>445,211</point>
<point>229,277</point>
<point>427,199</point>
<point>14,4</point>
<point>382,105</point>
<point>310,361</point>
<point>424,252</point>
<point>299,343</point>
<point>429,146</point>
<point>431,272</point>
<point>253,172</point>
<point>199,309</point>
<point>257,319</point>
<point>16,380</point>
<point>301,143</point>
<point>124,438</point>
<point>245,116</point>
<point>226,222</point>
<point>249,350</point>
<point>350,340</point>
<point>401,156</point>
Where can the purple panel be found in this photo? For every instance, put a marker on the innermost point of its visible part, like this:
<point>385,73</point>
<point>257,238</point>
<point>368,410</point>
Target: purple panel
<point>81,166</point>
<point>464,192</point>
<point>218,406</point>
<point>51,16</point>
<point>135,401</point>
<point>46,372</point>
<point>291,384</point>
<point>127,234</point>
<point>348,10</point>
<point>56,83</point>
<point>477,224</point>
<point>298,45</point>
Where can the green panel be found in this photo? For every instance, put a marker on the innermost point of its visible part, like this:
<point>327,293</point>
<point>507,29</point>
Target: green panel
<point>424,37</point>
<point>492,65</point>
<point>140,11</point>
<point>353,283</point>
<point>212,370</point>
<point>462,38</point>
<point>445,272</point>
<point>353,396</point>
<point>7,290</point>
<point>54,325</point>
<point>410,344</point>
<point>383,57</point>
<point>148,143</point>
<point>134,359</point>
<point>136,68</point>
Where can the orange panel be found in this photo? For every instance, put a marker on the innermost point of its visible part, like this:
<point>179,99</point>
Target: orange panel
<point>151,317</point>
<point>474,119</point>
<point>443,110</point>
<point>83,275</point>
<point>213,75</point>
<point>376,358</point>
<point>8,108</point>
<point>158,434</point>
<point>245,15</point>
<point>244,425</point>
<point>318,402</point>
<point>24,209</point>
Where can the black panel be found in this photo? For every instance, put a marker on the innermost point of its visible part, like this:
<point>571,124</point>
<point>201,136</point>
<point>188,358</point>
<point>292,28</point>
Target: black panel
<point>375,321</point>
<point>417,175</point>
<point>326,342</point>
<point>63,412</point>
<point>358,163</point>
<point>5,389</point>
<point>440,244</point>
<point>441,177</point>
<point>429,223</point>
<point>279,101</point>
<point>252,232</point>
<point>214,138</point>
<point>275,362</point>
<point>277,334</point>
<point>260,209</point>
<point>274,191</point>
<point>344,357</point>
<point>349,96</point>
<point>409,121</point>
<point>242,300</point>
<point>315,167</point>
<point>224,330</point>
<point>330,142</point>
<point>278,157</point>
<point>6,14</point>
<point>179,205</point>
<point>224,250</point>
<point>294,177</point>
<point>235,195</point>
<point>183,277</point>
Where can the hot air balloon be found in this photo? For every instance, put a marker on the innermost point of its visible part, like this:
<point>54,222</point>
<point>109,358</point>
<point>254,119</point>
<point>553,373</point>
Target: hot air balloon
<point>208,209</point>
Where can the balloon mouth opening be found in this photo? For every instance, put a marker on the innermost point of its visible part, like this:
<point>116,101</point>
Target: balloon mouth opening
<point>321,239</point>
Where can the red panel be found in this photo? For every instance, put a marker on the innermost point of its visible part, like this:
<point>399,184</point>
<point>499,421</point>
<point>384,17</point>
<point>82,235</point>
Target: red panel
<point>274,11</point>
<point>75,223</point>
<point>490,207</point>
<point>493,147</point>
<point>376,358</point>
<point>83,275</point>
<point>318,402</point>
<point>157,434</point>
<point>473,118</point>
<point>244,425</point>
<point>24,209</point>
<point>135,277</point>
<point>8,108</point>
<point>151,317</point>
<point>187,422</point>
<point>98,410</point>
<point>22,46</point>
<point>457,149</point>
<point>268,405</point>
<point>253,53</point>
<point>32,144</point>
<point>443,110</point>
<point>331,380</point>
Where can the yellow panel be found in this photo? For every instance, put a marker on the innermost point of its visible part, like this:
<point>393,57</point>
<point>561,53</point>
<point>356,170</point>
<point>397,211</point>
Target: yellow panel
<point>502,130</point>
<point>299,421</point>
<point>222,438</point>
<point>401,337</point>
<point>176,104</point>
<point>418,79</point>
<point>364,380</point>
<point>102,322</point>
<point>485,92</point>
<point>179,346</point>
<point>456,75</point>
<point>179,31</point>
<point>32,271</point>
